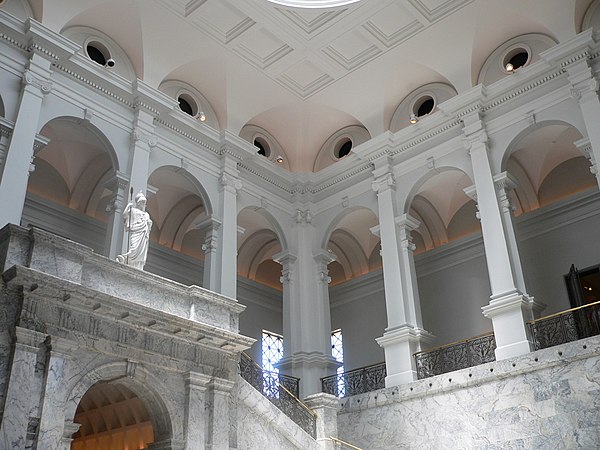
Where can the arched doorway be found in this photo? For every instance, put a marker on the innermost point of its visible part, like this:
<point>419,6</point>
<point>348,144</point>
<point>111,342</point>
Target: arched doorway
<point>112,417</point>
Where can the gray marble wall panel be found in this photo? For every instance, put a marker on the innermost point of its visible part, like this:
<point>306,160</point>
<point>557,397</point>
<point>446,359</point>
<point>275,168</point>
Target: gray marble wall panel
<point>546,399</point>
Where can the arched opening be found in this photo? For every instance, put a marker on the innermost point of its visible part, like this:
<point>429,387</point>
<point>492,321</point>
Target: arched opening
<point>554,192</point>
<point>112,417</point>
<point>177,209</point>
<point>72,184</point>
<point>450,264</point>
<point>259,276</point>
<point>356,288</point>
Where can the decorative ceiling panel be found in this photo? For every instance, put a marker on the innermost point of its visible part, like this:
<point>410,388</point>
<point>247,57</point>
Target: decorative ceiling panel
<point>352,50</point>
<point>221,20</point>
<point>310,21</point>
<point>433,10</point>
<point>261,48</point>
<point>392,25</point>
<point>305,78</point>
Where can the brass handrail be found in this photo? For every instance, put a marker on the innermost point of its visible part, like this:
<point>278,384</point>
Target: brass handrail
<point>282,386</point>
<point>564,312</point>
<point>344,443</point>
<point>462,341</point>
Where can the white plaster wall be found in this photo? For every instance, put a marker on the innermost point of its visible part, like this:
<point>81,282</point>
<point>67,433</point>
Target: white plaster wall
<point>263,312</point>
<point>548,250</point>
<point>451,300</point>
<point>358,308</point>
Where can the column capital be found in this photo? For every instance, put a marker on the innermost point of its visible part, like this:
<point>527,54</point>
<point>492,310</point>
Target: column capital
<point>407,222</point>
<point>197,380</point>
<point>383,182</point>
<point>585,146</point>
<point>34,80</point>
<point>302,216</point>
<point>230,181</point>
<point>138,134</point>
<point>285,258</point>
<point>221,385</point>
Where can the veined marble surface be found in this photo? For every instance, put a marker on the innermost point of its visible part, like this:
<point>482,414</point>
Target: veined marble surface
<point>549,399</point>
<point>260,425</point>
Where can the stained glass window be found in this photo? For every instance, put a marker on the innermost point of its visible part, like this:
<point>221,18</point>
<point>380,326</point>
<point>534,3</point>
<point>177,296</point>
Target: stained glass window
<point>272,352</point>
<point>337,351</point>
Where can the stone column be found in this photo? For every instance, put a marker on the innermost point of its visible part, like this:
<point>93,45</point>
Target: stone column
<point>404,335</point>
<point>585,88</point>
<point>143,140</point>
<point>510,308</point>
<point>306,316</point>
<point>218,428</point>
<point>326,407</point>
<point>195,415</point>
<point>52,414</point>
<point>211,228</point>
<point>226,280</point>
<point>19,157</point>
<point>114,232</point>
<point>585,147</point>
<point>20,413</point>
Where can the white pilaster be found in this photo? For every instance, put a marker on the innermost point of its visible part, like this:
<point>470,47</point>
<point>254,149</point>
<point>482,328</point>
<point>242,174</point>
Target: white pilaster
<point>19,157</point>
<point>404,334</point>
<point>510,307</point>
<point>211,228</point>
<point>114,234</point>
<point>230,184</point>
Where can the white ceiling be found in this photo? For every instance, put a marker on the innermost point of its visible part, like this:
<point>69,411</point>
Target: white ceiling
<point>304,73</point>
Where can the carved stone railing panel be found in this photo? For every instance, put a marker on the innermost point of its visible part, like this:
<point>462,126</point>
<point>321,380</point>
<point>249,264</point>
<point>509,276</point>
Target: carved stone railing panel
<point>357,381</point>
<point>281,390</point>
<point>459,355</point>
<point>566,326</point>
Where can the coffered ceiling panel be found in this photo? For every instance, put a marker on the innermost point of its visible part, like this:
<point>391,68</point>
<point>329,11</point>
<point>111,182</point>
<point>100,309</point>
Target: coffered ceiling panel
<point>222,20</point>
<point>433,10</point>
<point>352,50</point>
<point>261,48</point>
<point>310,21</point>
<point>305,78</point>
<point>392,25</point>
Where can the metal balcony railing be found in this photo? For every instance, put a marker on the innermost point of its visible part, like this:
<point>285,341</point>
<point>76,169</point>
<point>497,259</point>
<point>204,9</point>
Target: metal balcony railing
<point>566,326</point>
<point>357,381</point>
<point>457,355</point>
<point>282,391</point>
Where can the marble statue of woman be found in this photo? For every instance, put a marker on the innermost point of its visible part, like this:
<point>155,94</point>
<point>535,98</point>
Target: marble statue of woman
<point>138,224</point>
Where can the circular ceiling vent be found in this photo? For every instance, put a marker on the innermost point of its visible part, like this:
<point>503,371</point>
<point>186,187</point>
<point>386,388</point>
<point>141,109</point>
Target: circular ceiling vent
<point>313,3</point>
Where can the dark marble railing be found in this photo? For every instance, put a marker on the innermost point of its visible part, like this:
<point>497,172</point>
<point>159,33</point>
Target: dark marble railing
<point>281,390</point>
<point>458,355</point>
<point>566,326</point>
<point>357,381</point>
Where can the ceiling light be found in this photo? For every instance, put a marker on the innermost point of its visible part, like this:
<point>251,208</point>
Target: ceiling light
<point>509,67</point>
<point>413,118</point>
<point>279,159</point>
<point>202,116</point>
